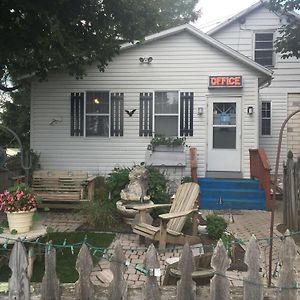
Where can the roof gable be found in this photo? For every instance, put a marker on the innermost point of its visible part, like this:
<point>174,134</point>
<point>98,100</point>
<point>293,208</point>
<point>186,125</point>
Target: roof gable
<point>243,14</point>
<point>207,39</point>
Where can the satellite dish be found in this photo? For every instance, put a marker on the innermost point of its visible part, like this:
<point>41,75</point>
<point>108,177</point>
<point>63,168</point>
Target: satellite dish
<point>2,157</point>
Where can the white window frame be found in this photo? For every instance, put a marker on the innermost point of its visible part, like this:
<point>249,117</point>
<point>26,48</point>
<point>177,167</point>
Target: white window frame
<point>261,118</point>
<point>167,115</point>
<point>97,114</point>
<point>254,47</point>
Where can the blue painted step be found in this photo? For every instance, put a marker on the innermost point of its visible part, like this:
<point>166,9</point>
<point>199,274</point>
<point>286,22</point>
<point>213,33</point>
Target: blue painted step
<point>231,194</point>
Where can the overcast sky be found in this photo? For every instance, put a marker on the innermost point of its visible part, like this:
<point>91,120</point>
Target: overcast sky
<point>216,11</point>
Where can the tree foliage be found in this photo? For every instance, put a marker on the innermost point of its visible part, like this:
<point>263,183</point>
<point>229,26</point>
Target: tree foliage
<point>38,36</point>
<point>288,43</point>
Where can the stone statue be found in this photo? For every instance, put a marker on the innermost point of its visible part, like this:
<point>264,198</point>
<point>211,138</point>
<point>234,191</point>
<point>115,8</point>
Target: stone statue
<point>137,188</point>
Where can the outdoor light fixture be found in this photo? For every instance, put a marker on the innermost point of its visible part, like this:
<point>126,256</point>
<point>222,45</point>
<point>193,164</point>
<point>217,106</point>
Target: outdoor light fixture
<point>146,59</point>
<point>250,110</point>
<point>200,111</point>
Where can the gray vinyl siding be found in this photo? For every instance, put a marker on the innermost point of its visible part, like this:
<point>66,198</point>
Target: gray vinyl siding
<point>180,62</point>
<point>286,71</point>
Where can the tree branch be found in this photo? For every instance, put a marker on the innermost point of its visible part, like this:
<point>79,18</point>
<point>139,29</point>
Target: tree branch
<point>8,89</point>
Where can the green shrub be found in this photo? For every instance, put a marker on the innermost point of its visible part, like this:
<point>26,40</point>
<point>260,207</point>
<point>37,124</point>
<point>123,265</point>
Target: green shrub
<point>118,179</point>
<point>216,225</point>
<point>115,182</point>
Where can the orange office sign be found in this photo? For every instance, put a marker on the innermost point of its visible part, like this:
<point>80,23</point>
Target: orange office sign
<point>225,82</point>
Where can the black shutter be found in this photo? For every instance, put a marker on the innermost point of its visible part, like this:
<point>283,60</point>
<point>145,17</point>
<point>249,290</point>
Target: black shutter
<point>146,114</point>
<point>77,114</point>
<point>117,114</point>
<point>186,113</point>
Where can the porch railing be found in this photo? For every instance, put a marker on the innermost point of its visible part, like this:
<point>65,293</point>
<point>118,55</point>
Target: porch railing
<point>260,169</point>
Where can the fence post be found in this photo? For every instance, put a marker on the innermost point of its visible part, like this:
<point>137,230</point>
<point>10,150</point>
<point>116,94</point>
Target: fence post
<point>84,288</point>
<point>118,286</point>
<point>50,289</point>
<point>219,285</point>
<point>253,288</point>
<point>287,283</point>
<point>18,283</point>
<point>186,287</point>
<point>151,263</point>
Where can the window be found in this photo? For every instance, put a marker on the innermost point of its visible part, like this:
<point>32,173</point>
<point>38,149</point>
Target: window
<point>103,114</point>
<point>266,118</point>
<point>168,113</point>
<point>97,114</point>
<point>264,49</point>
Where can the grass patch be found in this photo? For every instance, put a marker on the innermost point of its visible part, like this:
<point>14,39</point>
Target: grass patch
<point>65,259</point>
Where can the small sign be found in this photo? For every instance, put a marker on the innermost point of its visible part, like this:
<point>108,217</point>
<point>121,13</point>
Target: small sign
<point>225,82</point>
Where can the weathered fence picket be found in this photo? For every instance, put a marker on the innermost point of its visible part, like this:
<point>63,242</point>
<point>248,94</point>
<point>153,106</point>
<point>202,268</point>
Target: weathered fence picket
<point>219,285</point>
<point>118,286</point>
<point>287,274</point>
<point>118,289</point>
<point>84,289</point>
<point>18,283</point>
<point>50,289</point>
<point>186,287</point>
<point>291,193</point>
<point>253,289</point>
<point>151,264</point>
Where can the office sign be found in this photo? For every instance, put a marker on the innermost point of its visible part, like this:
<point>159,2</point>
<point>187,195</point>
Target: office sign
<point>225,82</point>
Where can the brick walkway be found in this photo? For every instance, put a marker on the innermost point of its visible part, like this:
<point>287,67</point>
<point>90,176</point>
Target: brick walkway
<point>245,224</point>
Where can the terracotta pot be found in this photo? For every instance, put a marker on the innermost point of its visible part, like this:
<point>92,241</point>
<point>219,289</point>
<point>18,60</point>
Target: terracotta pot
<point>21,221</point>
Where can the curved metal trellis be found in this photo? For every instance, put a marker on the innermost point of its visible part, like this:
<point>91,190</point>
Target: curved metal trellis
<point>25,164</point>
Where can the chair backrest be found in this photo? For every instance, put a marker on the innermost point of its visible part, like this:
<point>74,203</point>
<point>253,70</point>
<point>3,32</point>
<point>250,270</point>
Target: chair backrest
<point>185,200</point>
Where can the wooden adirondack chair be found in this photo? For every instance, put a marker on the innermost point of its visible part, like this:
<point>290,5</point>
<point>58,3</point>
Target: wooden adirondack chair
<point>171,223</point>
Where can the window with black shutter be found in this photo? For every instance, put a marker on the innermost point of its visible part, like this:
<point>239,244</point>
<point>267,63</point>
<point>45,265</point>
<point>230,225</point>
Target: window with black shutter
<point>77,114</point>
<point>104,112</point>
<point>146,114</point>
<point>166,113</point>
<point>117,115</point>
<point>186,113</point>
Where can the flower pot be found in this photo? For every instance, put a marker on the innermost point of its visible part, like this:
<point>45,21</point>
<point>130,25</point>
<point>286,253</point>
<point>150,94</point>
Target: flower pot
<point>21,221</point>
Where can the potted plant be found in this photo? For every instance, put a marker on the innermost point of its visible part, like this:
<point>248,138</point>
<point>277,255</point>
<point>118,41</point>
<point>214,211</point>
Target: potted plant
<point>19,203</point>
<point>167,144</point>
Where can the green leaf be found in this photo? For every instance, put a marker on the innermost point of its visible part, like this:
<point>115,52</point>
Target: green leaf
<point>14,231</point>
<point>36,217</point>
<point>49,229</point>
<point>46,209</point>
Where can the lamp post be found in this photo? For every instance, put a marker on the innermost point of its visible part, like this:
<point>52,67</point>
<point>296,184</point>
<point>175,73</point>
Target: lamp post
<point>274,193</point>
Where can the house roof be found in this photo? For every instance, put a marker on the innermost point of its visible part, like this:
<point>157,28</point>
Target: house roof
<point>244,13</point>
<point>206,38</point>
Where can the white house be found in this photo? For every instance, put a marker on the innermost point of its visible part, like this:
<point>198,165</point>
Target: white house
<point>180,82</point>
<point>252,32</point>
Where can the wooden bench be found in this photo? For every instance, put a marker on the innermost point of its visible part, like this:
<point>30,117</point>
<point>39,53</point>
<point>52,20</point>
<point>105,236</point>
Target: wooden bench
<point>63,189</point>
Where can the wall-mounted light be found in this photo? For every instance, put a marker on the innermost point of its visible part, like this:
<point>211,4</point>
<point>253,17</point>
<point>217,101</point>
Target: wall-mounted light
<point>146,59</point>
<point>200,110</point>
<point>250,110</point>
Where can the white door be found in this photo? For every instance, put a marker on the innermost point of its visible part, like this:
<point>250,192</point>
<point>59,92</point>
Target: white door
<point>224,134</point>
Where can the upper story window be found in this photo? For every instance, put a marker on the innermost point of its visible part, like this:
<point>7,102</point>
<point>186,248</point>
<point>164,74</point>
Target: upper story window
<point>266,118</point>
<point>102,116</point>
<point>264,53</point>
<point>167,113</point>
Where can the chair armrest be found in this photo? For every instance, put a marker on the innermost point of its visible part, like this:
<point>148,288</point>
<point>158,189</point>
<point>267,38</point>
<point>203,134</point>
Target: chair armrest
<point>145,207</point>
<point>89,179</point>
<point>179,214</point>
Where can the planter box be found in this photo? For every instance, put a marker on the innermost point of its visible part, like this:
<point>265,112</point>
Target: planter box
<point>166,148</point>
<point>166,156</point>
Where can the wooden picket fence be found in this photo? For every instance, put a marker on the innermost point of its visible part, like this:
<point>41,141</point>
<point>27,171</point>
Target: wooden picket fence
<point>291,193</point>
<point>83,289</point>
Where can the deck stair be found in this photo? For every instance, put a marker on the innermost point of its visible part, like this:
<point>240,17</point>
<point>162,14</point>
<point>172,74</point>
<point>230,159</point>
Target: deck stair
<point>220,194</point>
